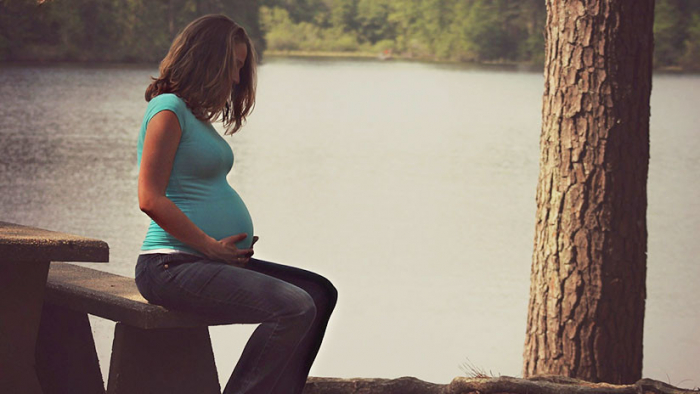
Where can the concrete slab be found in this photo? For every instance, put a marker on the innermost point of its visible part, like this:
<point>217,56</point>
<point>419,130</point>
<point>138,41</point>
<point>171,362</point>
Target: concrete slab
<point>30,244</point>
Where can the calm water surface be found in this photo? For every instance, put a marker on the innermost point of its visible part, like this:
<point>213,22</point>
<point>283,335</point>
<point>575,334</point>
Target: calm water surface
<point>410,186</point>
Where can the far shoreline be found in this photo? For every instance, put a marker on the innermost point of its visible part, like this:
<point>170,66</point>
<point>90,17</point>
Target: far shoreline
<point>523,65</point>
<point>360,55</point>
<point>326,55</point>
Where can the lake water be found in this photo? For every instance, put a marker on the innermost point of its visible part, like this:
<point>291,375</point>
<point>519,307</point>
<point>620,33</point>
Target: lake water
<point>411,186</point>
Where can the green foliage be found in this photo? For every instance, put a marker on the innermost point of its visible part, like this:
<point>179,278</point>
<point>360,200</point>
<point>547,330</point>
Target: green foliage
<point>285,35</point>
<point>485,33</point>
<point>485,30</point>
<point>344,15</point>
<point>299,10</point>
<point>691,46</point>
<point>384,45</point>
<point>107,30</point>
<point>372,18</point>
<point>458,30</point>
<point>667,35</point>
<point>464,30</point>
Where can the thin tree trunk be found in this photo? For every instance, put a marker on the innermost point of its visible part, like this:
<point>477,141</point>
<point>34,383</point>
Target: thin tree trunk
<point>171,19</point>
<point>587,291</point>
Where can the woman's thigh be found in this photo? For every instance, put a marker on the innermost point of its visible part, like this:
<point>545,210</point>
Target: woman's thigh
<point>320,288</point>
<point>236,294</point>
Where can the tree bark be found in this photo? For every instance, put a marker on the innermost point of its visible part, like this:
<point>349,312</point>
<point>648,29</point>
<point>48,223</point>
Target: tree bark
<point>587,292</point>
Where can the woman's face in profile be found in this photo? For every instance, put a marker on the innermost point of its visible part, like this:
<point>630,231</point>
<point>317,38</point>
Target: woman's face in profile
<point>241,52</point>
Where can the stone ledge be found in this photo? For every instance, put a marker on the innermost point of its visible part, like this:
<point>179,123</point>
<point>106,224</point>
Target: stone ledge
<point>481,384</point>
<point>403,385</point>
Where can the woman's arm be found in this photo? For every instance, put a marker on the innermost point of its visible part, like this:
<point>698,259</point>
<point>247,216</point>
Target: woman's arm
<point>162,139</point>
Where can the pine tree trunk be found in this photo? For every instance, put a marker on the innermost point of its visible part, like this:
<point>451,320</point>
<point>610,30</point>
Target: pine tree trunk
<point>587,291</point>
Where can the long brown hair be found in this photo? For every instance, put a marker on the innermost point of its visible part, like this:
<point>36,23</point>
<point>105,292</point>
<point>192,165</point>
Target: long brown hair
<point>200,68</point>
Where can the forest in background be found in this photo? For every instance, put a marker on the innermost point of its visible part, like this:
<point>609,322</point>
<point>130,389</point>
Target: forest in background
<point>128,31</point>
<point>453,30</point>
<point>440,30</point>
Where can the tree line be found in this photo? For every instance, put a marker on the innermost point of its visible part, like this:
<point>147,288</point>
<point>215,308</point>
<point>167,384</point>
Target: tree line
<point>453,30</point>
<point>458,30</point>
<point>448,30</point>
<point>107,30</point>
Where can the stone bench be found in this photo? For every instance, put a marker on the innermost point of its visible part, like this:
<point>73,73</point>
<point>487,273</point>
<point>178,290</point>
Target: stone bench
<point>155,350</point>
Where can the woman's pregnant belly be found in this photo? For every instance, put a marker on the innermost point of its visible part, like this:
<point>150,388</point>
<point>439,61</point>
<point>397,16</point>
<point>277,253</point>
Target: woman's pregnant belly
<point>222,215</point>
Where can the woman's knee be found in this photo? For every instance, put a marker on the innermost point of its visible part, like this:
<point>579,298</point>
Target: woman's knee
<point>296,303</point>
<point>325,294</point>
<point>307,307</point>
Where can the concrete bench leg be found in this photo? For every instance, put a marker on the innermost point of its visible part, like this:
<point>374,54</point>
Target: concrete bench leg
<point>66,360</point>
<point>22,286</point>
<point>160,360</point>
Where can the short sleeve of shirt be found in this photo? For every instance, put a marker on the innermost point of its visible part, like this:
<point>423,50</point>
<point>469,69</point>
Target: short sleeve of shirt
<point>163,102</point>
<point>167,102</point>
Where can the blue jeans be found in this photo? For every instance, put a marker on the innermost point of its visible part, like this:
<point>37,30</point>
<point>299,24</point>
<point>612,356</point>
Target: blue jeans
<point>292,305</point>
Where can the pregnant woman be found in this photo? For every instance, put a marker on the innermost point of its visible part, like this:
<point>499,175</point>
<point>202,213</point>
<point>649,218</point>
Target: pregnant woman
<point>197,253</point>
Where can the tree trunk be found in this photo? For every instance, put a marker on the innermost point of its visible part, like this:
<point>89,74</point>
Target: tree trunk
<point>171,19</point>
<point>587,291</point>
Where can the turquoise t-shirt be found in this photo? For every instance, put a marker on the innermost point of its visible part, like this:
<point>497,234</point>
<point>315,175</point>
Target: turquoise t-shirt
<point>197,183</point>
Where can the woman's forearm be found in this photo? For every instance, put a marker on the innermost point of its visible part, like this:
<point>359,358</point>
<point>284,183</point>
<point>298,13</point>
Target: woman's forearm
<point>171,219</point>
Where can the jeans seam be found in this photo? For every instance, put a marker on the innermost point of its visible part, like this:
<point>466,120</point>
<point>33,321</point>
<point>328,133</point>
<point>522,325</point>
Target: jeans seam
<point>260,354</point>
<point>150,279</point>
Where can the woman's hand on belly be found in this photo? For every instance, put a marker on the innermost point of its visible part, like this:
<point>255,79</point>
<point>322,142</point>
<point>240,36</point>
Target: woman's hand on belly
<point>225,250</point>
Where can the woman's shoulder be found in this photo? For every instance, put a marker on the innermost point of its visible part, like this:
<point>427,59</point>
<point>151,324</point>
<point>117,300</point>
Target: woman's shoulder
<point>167,99</point>
<point>168,102</point>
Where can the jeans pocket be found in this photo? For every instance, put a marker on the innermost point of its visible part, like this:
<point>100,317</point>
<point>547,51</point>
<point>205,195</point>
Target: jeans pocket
<point>150,276</point>
<point>166,263</point>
